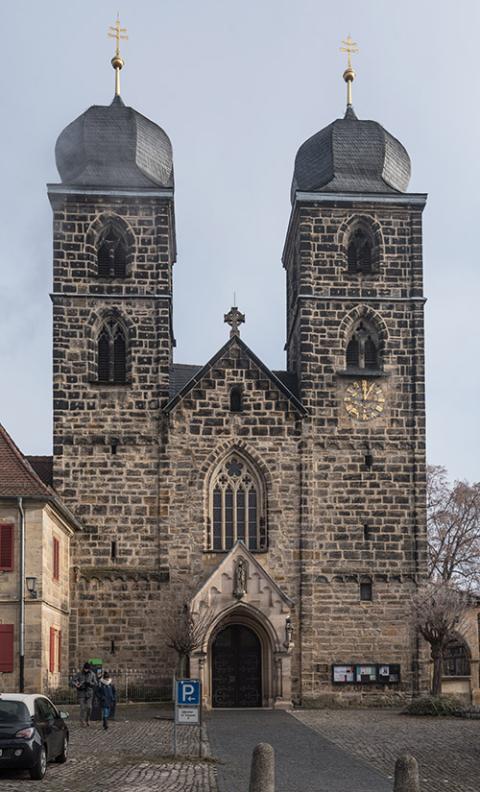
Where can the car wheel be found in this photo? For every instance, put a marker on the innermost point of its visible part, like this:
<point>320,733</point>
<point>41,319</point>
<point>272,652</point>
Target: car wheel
<point>61,758</point>
<point>40,767</point>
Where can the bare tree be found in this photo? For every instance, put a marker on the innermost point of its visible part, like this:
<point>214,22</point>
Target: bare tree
<point>185,630</point>
<point>453,529</point>
<point>438,612</point>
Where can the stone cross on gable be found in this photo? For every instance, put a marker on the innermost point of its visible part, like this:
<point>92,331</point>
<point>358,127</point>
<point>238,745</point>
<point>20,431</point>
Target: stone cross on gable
<point>234,318</point>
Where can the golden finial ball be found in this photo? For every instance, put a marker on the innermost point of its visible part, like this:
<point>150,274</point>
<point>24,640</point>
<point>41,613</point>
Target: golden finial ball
<point>117,62</point>
<point>349,74</point>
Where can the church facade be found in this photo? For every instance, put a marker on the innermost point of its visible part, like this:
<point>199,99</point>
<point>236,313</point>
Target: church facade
<point>284,509</point>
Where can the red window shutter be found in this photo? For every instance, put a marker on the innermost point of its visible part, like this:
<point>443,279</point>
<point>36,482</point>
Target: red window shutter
<point>51,663</point>
<point>6,648</point>
<point>6,547</point>
<point>59,650</point>
<point>56,559</point>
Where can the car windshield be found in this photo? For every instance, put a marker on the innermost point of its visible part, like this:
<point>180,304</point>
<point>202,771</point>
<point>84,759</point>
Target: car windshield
<point>11,711</point>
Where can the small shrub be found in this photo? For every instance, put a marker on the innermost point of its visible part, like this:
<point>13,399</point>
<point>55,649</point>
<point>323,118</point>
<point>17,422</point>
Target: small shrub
<point>434,705</point>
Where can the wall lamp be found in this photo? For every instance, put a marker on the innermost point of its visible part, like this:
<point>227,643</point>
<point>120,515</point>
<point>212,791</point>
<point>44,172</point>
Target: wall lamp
<point>32,586</point>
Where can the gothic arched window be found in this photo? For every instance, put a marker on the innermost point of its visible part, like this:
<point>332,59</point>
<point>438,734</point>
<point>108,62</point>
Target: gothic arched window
<point>112,353</point>
<point>360,252</point>
<point>362,350</point>
<point>111,253</point>
<point>237,505</point>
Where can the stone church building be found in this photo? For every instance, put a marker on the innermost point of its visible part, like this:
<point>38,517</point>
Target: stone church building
<point>286,507</point>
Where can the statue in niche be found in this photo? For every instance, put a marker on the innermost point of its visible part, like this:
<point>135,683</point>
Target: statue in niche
<point>288,633</point>
<point>240,579</point>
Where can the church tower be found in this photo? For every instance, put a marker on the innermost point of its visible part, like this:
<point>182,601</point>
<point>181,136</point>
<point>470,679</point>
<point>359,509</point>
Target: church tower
<point>355,340</point>
<point>113,253</point>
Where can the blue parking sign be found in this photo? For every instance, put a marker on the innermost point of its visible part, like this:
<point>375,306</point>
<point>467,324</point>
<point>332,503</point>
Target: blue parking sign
<point>188,692</point>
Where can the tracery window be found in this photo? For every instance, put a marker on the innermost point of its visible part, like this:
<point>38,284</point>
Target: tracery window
<point>112,353</point>
<point>456,661</point>
<point>362,350</point>
<point>360,252</point>
<point>237,505</point>
<point>111,253</point>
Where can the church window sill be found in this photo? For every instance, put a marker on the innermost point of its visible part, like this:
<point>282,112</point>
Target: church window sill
<point>362,373</point>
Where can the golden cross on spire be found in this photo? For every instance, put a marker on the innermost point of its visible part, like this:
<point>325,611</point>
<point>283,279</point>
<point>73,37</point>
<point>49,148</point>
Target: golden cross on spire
<point>350,47</point>
<point>117,61</point>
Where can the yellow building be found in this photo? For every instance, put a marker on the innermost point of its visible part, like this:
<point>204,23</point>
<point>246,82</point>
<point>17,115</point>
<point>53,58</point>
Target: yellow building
<point>35,533</point>
<point>461,660</point>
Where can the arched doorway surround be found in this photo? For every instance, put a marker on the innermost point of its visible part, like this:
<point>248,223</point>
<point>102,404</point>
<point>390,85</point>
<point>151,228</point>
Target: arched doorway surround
<point>254,601</point>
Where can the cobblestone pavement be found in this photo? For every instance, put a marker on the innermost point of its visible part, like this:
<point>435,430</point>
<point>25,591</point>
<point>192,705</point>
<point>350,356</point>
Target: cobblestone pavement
<point>134,755</point>
<point>447,749</point>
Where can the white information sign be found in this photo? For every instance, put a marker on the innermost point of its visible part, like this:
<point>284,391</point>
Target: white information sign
<point>188,715</point>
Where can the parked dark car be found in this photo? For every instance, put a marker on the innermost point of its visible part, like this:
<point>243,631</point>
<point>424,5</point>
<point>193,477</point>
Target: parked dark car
<point>32,733</point>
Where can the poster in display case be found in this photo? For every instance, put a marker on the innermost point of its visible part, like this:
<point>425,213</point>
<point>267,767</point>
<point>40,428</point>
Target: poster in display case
<point>388,673</point>
<point>365,674</point>
<point>343,674</point>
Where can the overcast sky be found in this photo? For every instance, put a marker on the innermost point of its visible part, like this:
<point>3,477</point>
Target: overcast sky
<point>238,87</point>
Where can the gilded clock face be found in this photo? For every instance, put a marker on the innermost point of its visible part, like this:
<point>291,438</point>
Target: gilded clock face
<point>364,400</point>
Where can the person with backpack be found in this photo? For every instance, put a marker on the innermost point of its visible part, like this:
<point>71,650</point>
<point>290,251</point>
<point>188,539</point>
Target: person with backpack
<point>85,683</point>
<point>106,695</point>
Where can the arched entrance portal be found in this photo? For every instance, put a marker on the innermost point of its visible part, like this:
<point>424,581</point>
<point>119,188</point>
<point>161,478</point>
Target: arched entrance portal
<point>236,668</point>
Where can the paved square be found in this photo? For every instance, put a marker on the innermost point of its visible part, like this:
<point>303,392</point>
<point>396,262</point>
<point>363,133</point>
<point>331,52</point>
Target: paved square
<point>134,755</point>
<point>447,749</point>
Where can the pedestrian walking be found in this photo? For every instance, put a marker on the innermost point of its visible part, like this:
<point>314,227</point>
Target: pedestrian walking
<point>106,695</point>
<point>85,682</point>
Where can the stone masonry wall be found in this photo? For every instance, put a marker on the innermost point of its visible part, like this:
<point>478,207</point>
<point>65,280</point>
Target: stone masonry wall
<point>106,450</point>
<point>363,518</point>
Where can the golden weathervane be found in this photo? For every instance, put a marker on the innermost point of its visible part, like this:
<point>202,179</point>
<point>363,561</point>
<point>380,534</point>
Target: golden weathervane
<point>350,47</point>
<point>117,61</point>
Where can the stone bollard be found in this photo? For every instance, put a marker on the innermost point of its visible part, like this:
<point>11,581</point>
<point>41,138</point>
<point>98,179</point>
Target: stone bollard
<point>406,774</point>
<point>262,774</point>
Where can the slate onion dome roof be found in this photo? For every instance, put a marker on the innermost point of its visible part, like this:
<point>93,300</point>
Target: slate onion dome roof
<point>350,155</point>
<point>114,146</point>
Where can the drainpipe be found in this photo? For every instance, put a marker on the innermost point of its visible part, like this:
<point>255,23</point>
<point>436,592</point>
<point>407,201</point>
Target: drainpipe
<point>22,597</point>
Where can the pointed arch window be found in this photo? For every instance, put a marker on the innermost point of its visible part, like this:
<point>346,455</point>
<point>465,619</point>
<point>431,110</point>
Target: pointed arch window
<point>111,253</point>
<point>237,503</point>
<point>112,354</point>
<point>362,350</point>
<point>360,252</point>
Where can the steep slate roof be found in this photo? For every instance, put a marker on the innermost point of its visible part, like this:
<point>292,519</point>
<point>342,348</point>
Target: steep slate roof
<point>180,374</point>
<point>18,479</point>
<point>43,467</point>
<point>190,375</point>
<point>350,155</point>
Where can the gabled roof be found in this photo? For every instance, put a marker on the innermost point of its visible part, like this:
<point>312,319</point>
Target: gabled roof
<point>18,479</point>
<point>240,548</point>
<point>196,374</point>
<point>17,476</point>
